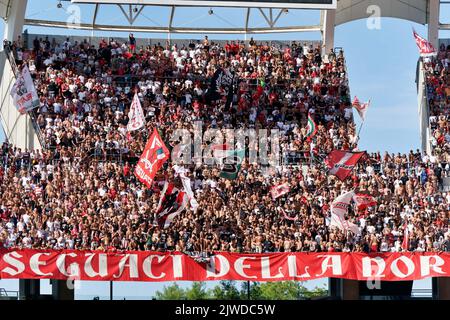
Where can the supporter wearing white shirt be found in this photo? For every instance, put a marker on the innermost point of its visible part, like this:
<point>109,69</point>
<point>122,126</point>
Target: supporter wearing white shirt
<point>101,191</point>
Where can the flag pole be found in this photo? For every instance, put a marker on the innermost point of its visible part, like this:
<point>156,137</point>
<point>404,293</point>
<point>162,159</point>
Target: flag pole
<point>362,123</point>
<point>359,131</point>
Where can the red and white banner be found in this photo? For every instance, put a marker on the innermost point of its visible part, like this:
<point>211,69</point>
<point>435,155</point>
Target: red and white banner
<point>363,200</point>
<point>279,190</point>
<point>426,49</point>
<point>157,266</point>
<point>136,115</point>
<point>152,159</point>
<point>341,163</point>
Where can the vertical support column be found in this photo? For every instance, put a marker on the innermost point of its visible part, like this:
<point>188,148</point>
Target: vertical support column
<point>328,30</point>
<point>433,22</point>
<point>15,20</point>
<point>60,290</point>
<point>350,289</point>
<point>334,288</point>
<point>343,289</point>
<point>441,288</point>
<point>29,289</point>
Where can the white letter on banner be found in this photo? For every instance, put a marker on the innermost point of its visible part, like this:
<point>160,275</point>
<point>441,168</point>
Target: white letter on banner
<point>35,263</point>
<point>132,265</point>
<point>61,263</point>
<point>265,269</point>
<point>409,264</point>
<point>336,265</point>
<point>177,265</point>
<point>240,266</point>
<point>292,267</point>
<point>426,266</point>
<point>147,266</point>
<point>9,259</point>
<point>102,265</point>
<point>368,270</point>
<point>211,267</point>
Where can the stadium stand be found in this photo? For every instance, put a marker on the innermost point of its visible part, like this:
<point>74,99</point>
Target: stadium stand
<point>79,192</point>
<point>438,92</point>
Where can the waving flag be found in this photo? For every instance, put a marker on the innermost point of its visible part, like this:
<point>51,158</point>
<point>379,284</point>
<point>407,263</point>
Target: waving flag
<point>181,172</point>
<point>361,108</point>
<point>311,128</point>
<point>426,49</point>
<point>136,115</point>
<point>152,159</point>
<point>364,201</point>
<point>232,164</point>
<point>339,209</point>
<point>172,202</point>
<point>279,190</point>
<point>24,93</point>
<point>341,163</point>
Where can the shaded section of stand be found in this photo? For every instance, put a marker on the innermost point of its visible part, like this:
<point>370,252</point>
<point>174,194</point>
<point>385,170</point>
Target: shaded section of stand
<point>31,290</point>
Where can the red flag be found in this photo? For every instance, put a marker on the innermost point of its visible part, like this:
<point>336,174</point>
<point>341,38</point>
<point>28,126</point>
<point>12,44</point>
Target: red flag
<point>364,201</point>
<point>425,47</point>
<point>279,190</point>
<point>152,159</point>
<point>341,163</point>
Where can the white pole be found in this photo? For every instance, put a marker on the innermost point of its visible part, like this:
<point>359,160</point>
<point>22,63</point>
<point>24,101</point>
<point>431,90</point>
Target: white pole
<point>15,20</point>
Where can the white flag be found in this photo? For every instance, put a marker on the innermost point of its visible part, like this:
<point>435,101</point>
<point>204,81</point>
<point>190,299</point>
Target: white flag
<point>339,209</point>
<point>361,108</point>
<point>136,115</point>
<point>181,172</point>
<point>24,93</point>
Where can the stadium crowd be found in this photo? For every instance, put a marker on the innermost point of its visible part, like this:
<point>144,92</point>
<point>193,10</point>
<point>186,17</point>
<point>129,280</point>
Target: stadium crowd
<point>80,192</point>
<point>438,94</point>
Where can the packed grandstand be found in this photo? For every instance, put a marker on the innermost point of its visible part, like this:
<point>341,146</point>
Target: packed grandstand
<point>79,191</point>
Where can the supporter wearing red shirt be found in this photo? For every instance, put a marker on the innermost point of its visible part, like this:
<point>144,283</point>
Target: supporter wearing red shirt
<point>126,169</point>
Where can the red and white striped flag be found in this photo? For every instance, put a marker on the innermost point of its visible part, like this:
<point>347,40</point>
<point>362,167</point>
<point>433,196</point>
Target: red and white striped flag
<point>426,49</point>
<point>361,108</point>
<point>279,190</point>
<point>341,163</point>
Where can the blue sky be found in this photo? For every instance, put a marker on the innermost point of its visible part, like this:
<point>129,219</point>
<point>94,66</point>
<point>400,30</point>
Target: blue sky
<point>381,65</point>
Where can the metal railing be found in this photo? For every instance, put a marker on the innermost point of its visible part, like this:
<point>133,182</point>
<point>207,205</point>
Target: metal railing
<point>8,294</point>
